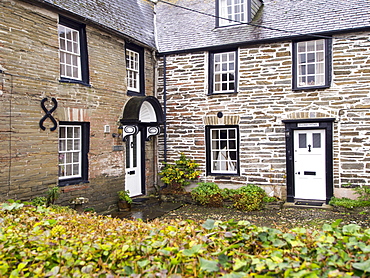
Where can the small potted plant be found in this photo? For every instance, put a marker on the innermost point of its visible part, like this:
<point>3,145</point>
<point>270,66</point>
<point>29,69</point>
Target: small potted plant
<point>124,203</point>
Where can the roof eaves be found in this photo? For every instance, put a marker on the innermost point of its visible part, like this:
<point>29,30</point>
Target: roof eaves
<point>66,12</point>
<point>268,40</point>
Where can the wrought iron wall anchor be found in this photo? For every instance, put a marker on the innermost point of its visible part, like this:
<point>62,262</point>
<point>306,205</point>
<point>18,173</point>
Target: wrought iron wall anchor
<point>48,114</point>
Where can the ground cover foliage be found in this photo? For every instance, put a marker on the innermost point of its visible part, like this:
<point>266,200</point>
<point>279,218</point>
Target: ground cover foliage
<point>49,242</point>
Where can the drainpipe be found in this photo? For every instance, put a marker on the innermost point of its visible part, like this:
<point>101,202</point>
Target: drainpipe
<point>165,107</point>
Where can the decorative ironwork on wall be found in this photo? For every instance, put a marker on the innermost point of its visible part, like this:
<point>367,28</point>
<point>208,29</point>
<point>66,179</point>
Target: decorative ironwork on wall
<point>48,114</point>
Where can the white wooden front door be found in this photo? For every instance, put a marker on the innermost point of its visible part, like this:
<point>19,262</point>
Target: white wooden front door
<point>309,164</point>
<point>133,164</point>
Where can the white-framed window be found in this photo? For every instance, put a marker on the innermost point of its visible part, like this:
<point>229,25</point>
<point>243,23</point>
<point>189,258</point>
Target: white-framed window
<point>223,72</point>
<point>70,151</point>
<point>69,52</point>
<point>311,64</point>
<point>73,59</point>
<point>222,150</point>
<point>233,12</point>
<point>133,70</point>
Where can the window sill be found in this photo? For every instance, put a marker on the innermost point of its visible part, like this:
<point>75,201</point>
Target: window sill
<point>135,94</point>
<point>76,187</point>
<point>75,181</point>
<point>223,93</point>
<point>71,81</point>
<point>310,88</point>
<point>223,175</point>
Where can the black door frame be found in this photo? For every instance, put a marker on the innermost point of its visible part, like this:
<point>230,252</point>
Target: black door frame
<point>309,124</point>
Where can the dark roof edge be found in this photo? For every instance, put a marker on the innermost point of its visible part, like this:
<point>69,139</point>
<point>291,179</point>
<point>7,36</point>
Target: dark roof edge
<point>261,41</point>
<point>85,19</point>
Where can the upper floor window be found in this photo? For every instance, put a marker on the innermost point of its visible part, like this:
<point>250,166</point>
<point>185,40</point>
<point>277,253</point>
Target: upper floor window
<point>222,149</point>
<point>73,149</point>
<point>223,72</point>
<point>135,70</point>
<point>233,12</point>
<point>72,51</point>
<point>311,64</point>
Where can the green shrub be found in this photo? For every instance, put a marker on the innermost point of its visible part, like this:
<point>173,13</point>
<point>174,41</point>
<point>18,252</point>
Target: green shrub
<point>52,195</point>
<point>180,173</point>
<point>249,198</point>
<point>39,201</point>
<point>362,201</point>
<point>348,203</point>
<point>207,193</point>
<point>40,242</point>
<point>363,192</point>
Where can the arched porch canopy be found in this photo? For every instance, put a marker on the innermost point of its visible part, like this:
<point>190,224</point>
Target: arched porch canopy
<point>145,112</point>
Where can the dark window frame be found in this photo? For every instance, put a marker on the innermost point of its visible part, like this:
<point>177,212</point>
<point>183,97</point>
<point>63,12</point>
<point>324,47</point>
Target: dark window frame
<point>328,65</point>
<point>139,50</point>
<point>84,63</point>
<point>85,147</point>
<point>208,130</point>
<point>218,13</point>
<point>211,71</point>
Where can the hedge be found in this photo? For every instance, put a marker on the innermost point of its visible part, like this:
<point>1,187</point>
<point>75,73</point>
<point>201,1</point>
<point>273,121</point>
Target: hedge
<point>43,242</point>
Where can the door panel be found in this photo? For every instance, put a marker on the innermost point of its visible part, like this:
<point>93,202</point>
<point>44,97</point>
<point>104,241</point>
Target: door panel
<point>133,164</point>
<point>309,164</point>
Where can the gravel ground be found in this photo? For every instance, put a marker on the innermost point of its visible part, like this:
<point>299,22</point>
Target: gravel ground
<point>285,218</point>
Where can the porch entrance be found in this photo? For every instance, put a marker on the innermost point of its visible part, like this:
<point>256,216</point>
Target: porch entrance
<point>133,165</point>
<point>141,120</point>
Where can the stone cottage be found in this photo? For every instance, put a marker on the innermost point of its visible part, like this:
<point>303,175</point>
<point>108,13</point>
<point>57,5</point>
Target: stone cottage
<point>94,94</point>
<point>71,72</point>
<point>272,92</point>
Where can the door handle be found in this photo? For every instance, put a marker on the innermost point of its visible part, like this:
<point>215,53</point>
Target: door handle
<point>131,172</point>
<point>309,148</point>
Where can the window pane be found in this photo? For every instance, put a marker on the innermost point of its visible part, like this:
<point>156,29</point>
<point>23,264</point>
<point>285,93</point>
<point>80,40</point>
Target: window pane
<point>310,46</point>
<point>224,63</point>
<point>311,69</point>
<point>302,70</point>
<point>316,140</point>
<point>69,52</point>
<point>302,138</point>
<point>311,63</point>
<point>69,151</point>
<point>311,80</point>
<point>76,169</point>
<point>302,47</point>
<point>223,150</point>
<point>302,58</point>
<point>311,57</point>
<point>320,45</point>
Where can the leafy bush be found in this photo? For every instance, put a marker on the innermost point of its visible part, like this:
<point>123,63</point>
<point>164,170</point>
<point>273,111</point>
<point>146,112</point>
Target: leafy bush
<point>39,242</point>
<point>39,201</point>
<point>247,198</point>
<point>362,201</point>
<point>124,196</point>
<point>208,193</point>
<point>348,203</point>
<point>181,173</point>
<point>364,192</point>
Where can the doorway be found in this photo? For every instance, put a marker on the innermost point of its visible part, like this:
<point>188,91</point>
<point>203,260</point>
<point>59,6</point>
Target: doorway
<point>309,159</point>
<point>309,164</point>
<point>133,165</point>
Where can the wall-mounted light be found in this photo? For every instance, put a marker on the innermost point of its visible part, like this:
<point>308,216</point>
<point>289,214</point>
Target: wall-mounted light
<point>119,132</point>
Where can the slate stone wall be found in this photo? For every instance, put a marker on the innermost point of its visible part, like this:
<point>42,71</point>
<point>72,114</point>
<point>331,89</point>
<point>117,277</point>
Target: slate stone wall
<point>265,98</point>
<point>30,72</point>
